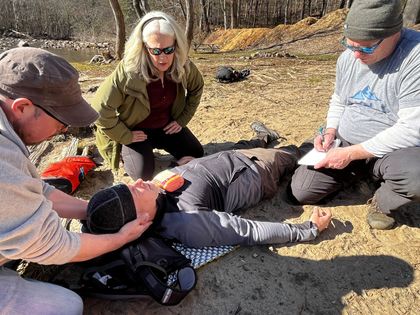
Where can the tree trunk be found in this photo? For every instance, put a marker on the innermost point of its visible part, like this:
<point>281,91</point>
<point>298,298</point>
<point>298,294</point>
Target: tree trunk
<point>182,9</point>
<point>137,9</point>
<point>324,7</point>
<point>248,6</point>
<point>120,28</point>
<point>189,23</point>
<point>255,13</point>
<point>267,16</point>
<point>286,12</point>
<point>205,19</point>
<point>412,12</point>
<point>238,13</point>
<point>144,4</point>
<point>233,14</point>
<point>16,15</point>
<point>223,7</point>
<point>141,7</point>
<point>205,26</point>
<point>302,13</point>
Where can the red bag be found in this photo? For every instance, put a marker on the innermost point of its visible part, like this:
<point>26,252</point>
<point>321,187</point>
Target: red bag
<point>67,174</point>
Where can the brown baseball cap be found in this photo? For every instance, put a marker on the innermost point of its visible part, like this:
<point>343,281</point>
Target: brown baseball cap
<point>48,81</point>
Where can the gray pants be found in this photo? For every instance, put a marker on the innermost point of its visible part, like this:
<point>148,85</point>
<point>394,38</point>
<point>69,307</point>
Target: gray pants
<point>26,296</point>
<point>397,172</point>
<point>272,164</point>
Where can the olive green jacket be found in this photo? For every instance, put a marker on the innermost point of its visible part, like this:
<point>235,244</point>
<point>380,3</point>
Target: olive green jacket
<point>122,103</point>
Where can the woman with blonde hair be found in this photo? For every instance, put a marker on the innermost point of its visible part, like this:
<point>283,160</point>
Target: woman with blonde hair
<point>149,99</point>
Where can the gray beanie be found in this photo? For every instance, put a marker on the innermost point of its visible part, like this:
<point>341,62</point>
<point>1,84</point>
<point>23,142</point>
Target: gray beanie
<point>373,19</point>
<point>109,209</point>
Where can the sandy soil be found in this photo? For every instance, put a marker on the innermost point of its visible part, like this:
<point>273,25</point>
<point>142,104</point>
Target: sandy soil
<point>349,269</point>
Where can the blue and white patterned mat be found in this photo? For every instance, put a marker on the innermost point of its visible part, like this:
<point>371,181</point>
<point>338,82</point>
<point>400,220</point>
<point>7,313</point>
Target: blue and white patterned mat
<point>201,256</point>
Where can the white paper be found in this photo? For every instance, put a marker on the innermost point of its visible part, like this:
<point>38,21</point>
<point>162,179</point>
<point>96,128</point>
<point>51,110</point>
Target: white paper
<point>314,156</point>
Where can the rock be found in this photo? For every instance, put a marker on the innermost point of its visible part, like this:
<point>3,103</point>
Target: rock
<point>23,43</point>
<point>97,59</point>
<point>93,89</point>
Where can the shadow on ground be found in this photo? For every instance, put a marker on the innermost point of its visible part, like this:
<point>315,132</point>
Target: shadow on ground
<point>296,285</point>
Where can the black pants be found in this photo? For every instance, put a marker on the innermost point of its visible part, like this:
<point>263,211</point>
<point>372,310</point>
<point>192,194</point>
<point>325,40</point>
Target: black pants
<point>138,157</point>
<point>397,172</point>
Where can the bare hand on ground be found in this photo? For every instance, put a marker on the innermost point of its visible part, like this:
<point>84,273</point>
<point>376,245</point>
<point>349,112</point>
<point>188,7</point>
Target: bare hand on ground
<point>138,136</point>
<point>172,127</point>
<point>321,217</point>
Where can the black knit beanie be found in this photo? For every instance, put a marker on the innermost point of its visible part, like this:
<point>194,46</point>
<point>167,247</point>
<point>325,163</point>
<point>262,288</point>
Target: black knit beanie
<point>373,19</point>
<point>109,209</point>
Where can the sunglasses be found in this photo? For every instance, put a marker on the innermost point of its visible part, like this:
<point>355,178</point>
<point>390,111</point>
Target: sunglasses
<point>363,49</point>
<point>158,51</point>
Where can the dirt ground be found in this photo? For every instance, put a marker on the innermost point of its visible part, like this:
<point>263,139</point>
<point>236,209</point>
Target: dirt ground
<point>349,269</point>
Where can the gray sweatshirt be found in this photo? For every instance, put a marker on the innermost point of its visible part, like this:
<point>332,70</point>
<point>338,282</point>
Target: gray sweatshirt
<point>201,213</point>
<point>29,228</point>
<point>378,106</point>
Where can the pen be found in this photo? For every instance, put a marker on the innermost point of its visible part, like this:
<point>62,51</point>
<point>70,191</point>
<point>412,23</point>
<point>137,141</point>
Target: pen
<point>321,133</point>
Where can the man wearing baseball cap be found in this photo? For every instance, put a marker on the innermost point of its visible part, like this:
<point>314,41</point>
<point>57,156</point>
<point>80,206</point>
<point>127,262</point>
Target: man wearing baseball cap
<point>375,112</point>
<point>39,98</point>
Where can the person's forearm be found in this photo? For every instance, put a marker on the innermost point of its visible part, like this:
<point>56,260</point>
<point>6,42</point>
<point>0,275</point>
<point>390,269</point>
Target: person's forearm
<point>95,245</point>
<point>335,112</point>
<point>357,152</point>
<point>68,206</point>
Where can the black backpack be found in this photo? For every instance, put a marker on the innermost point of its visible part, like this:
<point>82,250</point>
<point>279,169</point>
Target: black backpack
<point>226,74</point>
<point>147,266</point>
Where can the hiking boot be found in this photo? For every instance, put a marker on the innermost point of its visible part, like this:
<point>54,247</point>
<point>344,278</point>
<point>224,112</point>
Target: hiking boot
<point>264,133</point>
<point>376,219</point>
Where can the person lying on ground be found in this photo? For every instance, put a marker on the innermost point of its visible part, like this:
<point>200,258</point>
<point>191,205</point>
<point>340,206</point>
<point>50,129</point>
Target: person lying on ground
<point>201,212</point>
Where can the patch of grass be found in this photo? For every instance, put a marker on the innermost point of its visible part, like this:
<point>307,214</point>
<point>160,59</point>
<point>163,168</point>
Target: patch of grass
<point>316,80</point>
<point>323,57</point>
<point>94,69</point>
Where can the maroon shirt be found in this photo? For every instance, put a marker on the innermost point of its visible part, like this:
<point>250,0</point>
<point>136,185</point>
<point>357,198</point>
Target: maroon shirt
<point>161,99</point>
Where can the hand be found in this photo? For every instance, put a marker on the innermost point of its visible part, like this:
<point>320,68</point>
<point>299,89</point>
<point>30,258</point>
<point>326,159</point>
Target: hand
<point>323,142</point>
<point>134,229</point>
<point>185,160</point>
<point>138,136</point>
<point>337,158</point>
<point>321,217</point>
<point>172,127</point>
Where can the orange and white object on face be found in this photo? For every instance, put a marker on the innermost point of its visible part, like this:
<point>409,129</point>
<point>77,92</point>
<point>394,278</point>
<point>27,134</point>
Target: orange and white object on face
<point>168,180</point>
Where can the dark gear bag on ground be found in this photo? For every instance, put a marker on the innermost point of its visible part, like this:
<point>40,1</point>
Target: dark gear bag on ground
<point>147,266</point>
<point>227,74</point>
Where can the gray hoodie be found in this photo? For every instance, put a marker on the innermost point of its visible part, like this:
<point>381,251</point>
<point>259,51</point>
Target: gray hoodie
<point>378,106</point>
<point>29,228</point>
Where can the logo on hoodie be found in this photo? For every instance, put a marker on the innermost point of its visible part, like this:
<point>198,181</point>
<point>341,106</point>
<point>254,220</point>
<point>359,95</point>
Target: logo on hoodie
<point>366,97</point>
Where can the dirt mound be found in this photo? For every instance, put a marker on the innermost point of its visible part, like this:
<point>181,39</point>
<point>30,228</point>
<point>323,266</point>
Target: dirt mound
<point>239,39</point>
<point>235,39</point>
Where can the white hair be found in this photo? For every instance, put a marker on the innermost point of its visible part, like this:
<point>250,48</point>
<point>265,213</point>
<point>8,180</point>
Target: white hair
<point>136,58</point>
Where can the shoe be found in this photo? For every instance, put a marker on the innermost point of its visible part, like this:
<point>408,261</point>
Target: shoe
<point>264,133</point>
<point>376,219</point>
